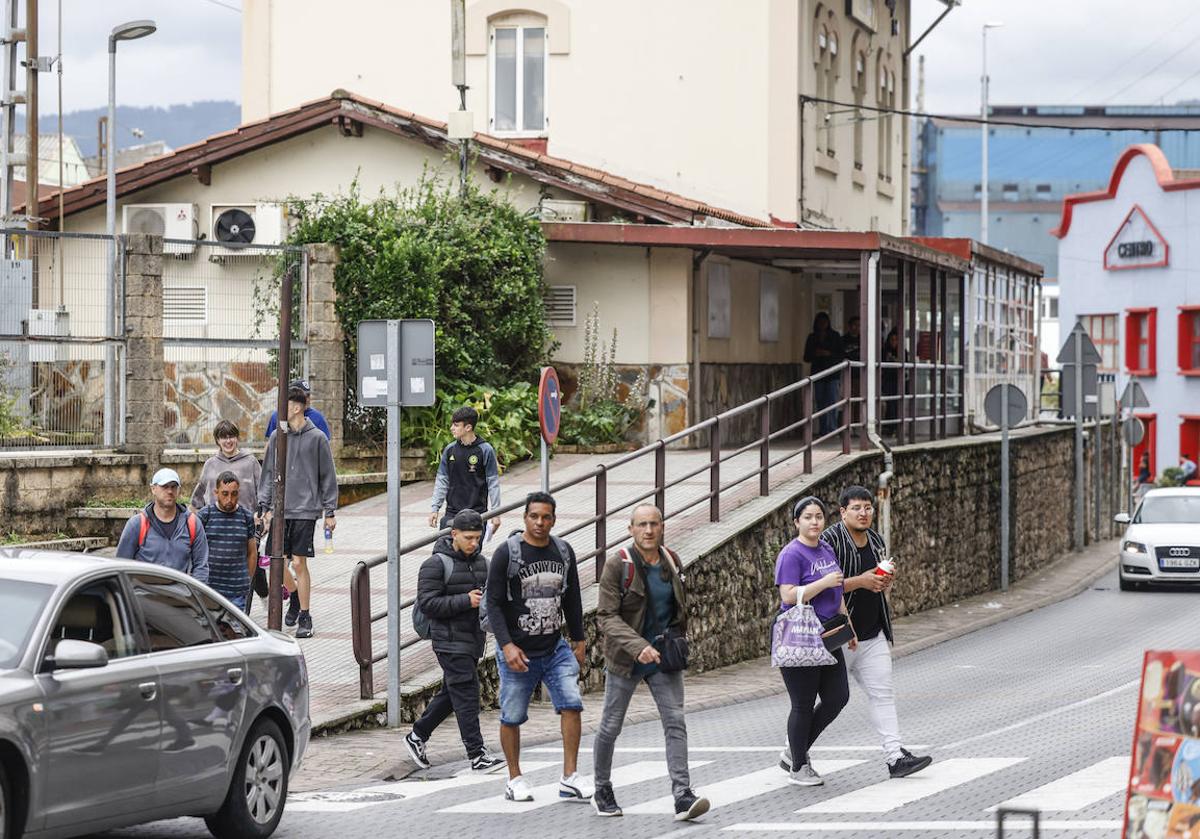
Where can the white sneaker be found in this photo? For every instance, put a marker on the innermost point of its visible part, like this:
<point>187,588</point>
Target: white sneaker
<point>805,776</point>
<point>575,788</point>
<point>518,789</point>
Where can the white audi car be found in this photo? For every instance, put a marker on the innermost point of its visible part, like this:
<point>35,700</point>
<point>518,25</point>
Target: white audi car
<point>1162,541</point>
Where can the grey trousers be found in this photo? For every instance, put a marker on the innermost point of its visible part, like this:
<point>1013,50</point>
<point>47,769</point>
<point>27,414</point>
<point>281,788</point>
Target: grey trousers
<point>667,690</point>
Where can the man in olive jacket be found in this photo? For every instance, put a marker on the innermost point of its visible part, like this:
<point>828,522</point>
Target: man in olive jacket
<point>449,587</point>
<point>641,596</point>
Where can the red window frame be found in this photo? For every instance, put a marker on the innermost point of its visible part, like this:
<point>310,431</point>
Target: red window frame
<point>1189,340</point>
<point>1149,444</point>
<point>1189,438</point>
<point>1134,319</point>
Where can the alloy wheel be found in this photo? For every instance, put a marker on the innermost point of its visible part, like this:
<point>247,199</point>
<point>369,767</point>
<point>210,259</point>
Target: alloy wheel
<point>264,779</point>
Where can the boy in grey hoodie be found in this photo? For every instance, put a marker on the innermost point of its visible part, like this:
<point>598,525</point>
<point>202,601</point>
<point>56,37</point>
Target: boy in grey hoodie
<point>312,493</point>
<point>166,532</point>
<point>229,459</point>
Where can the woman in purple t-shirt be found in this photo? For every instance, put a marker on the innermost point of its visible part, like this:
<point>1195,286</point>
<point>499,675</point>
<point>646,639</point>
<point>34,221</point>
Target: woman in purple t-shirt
<point>807,571</point>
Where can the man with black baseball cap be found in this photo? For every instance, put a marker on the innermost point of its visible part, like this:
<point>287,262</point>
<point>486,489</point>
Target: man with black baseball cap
<point>449,588</point>
<point>310,413</point>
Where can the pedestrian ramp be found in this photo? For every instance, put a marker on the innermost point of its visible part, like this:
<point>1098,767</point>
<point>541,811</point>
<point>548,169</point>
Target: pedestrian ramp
<point>852,799</point>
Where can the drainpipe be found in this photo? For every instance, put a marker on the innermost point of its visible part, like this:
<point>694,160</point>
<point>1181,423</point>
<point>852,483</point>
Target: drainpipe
<point>874,346</point>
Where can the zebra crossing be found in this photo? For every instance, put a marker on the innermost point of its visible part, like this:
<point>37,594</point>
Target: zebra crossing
<point>852,800</point>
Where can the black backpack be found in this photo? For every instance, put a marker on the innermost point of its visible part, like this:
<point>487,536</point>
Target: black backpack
<point>420,620</point>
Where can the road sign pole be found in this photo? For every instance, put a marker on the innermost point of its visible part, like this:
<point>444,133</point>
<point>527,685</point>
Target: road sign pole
<point>1077,336</point>
<point>1004,511</point>
<point>545,466</point>
<point>393,521</point>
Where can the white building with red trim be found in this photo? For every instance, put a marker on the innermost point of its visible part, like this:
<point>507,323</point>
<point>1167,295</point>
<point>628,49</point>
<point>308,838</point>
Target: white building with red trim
<point>1129,269</point>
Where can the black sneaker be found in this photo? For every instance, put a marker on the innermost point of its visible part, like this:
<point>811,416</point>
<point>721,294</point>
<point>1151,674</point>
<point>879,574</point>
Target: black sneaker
<point>605,802</point>
<point>305,630</point>
<point>416,749</point>
<point>485,761</point>
<point>293,611</point>
<point>908,764</point>
<point>688,806</point>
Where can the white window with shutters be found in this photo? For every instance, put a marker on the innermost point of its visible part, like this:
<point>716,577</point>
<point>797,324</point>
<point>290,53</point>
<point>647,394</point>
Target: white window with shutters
<point>185,304</point>
<point>560,305</point>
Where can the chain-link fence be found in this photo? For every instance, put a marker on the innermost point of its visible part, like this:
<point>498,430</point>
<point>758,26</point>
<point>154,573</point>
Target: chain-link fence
<point>221,326</point>
<point>60,345</point>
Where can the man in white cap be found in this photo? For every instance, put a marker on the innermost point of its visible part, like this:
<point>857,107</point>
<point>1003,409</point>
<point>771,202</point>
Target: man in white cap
<point>166,532</point>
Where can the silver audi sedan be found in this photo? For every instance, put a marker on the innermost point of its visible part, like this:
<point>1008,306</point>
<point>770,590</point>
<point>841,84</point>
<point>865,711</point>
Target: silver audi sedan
<point>130,693</point>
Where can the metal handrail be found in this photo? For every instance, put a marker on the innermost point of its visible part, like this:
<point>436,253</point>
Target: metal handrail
<point>849,404</point>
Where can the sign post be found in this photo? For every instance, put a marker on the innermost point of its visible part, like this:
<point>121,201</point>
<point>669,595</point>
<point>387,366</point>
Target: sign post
<point>1079,358</point>
<point>549,418</point>
<point>1132,430</point>
<point>395,368</point>
<point>1006,406</point>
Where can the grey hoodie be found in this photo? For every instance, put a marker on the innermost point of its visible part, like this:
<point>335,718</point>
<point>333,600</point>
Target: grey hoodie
<point>178,552</point>
<point>242,464</point>
<point>312,489</point>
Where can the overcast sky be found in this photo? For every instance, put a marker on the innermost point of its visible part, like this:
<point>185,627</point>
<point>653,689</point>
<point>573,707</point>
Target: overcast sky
<point>1060,52</point>
<point>196,53</point>
<point>1048,52</point>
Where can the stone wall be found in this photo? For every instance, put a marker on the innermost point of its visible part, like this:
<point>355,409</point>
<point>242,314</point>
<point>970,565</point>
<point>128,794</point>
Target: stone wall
<point>725,386</point>
<point>145,382</point>
<point>199,392</point>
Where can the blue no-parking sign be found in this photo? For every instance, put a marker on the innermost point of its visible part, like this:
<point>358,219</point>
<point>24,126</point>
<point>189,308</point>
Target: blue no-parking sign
<point>549,405</point>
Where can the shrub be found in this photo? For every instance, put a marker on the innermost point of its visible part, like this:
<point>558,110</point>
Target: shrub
<point>507,419</point>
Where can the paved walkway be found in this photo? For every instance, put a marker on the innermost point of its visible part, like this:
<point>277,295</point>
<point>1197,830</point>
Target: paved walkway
<point>378,754</point>
<point>362,532</point>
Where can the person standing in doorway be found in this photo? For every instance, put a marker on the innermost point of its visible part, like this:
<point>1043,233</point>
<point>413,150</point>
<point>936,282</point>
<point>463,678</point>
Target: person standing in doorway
<point>852,340</point>
<point>449,590</point>
<point>229,458</point>
<point>868,575</point>
<point>823,350</point>
<point>232,543</point>
<point>533,584</point>
<point>468,476</point>
<point>166,532</point>
<point>311,495</point>
<point>807,571</point>
<point>641,597</point>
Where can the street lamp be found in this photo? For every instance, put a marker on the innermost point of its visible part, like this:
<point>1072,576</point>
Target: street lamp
<point>129,31</point>
<point>983,194</point>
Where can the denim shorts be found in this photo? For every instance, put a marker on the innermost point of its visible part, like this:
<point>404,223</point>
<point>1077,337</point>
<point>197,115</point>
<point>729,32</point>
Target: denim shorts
<point>557,670</point>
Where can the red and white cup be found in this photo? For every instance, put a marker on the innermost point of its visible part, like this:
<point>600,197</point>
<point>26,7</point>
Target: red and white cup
<point>885,568</point>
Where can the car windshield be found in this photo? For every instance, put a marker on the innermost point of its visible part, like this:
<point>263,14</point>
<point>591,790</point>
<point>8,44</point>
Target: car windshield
<point>20,603</point>
<point>1170,509</point>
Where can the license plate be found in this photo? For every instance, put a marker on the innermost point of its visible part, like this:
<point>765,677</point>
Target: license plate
<point>1181,563</point>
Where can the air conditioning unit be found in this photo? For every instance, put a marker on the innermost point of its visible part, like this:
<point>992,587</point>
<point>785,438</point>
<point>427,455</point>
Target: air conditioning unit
<point>171,221</point>
<point>237,225</point>
<point>49,322</point>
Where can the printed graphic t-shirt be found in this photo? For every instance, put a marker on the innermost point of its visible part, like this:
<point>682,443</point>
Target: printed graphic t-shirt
<point>533,617</point>
<point>800,565</point>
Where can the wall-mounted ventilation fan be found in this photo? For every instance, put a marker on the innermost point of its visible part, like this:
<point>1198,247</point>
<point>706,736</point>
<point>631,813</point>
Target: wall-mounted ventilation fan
<point>234,226</point>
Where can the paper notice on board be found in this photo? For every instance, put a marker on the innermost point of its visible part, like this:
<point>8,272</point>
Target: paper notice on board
<point>378,360</point>
<point>373,387</point>
<point>416,384</point>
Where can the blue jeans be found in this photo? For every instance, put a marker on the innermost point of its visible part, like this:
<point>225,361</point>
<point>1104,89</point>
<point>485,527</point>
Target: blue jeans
<point>826,394</point>
<point>238,600</point>
<point>557,670</point>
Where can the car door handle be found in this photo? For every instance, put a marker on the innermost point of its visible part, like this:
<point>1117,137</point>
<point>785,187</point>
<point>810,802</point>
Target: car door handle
<point>149,690</point>
<point>235,675</point>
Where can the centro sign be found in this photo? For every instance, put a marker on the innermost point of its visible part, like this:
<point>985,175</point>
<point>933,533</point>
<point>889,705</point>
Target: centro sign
<point>1136,244</point>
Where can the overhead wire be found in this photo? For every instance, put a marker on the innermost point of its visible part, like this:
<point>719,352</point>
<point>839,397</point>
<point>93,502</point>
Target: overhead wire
<point>1153,42</point>
<point>1156,67</point>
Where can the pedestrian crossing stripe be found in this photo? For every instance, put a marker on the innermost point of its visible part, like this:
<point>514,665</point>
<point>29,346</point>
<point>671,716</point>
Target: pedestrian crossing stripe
<point>546,794</point>
<point>1077,790</point>
<point>341,801</point>
<point>889,827</point>
<point>891,794</point>
<point>739,788</point>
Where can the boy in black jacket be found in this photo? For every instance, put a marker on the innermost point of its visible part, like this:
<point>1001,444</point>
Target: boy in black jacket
<point>451,602</point>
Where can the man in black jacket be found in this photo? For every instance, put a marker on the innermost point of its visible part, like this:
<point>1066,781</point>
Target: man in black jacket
<point>448,593</point>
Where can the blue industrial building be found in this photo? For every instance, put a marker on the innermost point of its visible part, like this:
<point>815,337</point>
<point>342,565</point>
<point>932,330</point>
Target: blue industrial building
<point>1031,169</point>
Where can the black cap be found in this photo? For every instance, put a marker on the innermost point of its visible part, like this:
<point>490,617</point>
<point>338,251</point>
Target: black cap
<point>300,384</point>
<point>467,520</point>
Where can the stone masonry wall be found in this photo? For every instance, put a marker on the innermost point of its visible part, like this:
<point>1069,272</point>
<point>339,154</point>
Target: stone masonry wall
<point>145,382</point>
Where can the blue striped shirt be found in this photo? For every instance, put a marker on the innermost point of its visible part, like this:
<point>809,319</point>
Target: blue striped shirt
<point>228,534</point>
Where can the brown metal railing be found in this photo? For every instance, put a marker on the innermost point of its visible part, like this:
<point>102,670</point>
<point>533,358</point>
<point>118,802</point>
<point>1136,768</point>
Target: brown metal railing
<point>851,418</point>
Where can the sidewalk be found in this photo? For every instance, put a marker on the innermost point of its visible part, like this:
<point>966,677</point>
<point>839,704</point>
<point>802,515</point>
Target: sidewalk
<point>362,531</point>
<point>379,754</point>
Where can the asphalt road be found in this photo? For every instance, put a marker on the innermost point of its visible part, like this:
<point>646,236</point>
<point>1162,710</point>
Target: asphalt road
<point>1034,712</point>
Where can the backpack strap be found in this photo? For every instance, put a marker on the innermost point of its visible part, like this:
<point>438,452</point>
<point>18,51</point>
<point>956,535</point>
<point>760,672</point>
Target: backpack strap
<point>143,527</point>
<point>447,568</point>
<point>628,572</point>
<point>191,526</point>
<point>515,559</point>
<point>564,554</point>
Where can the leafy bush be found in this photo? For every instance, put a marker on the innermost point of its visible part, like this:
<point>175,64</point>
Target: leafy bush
<point>10,421</point>
<point>507,419</point>
<point>603,421</point>
<point>1172,476</point>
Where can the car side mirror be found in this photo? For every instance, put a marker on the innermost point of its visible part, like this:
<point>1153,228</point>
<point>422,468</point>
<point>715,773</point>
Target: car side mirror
<point>76,655</point>
<point>1121,518</point>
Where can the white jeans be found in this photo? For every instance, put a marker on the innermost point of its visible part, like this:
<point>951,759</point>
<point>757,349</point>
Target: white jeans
<point>871,667</point>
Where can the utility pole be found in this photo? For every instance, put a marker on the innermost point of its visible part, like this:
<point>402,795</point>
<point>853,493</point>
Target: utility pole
<point>460,125</point>
<point>12,35</point>
<point>983,192</point>
<point>32,205</point>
